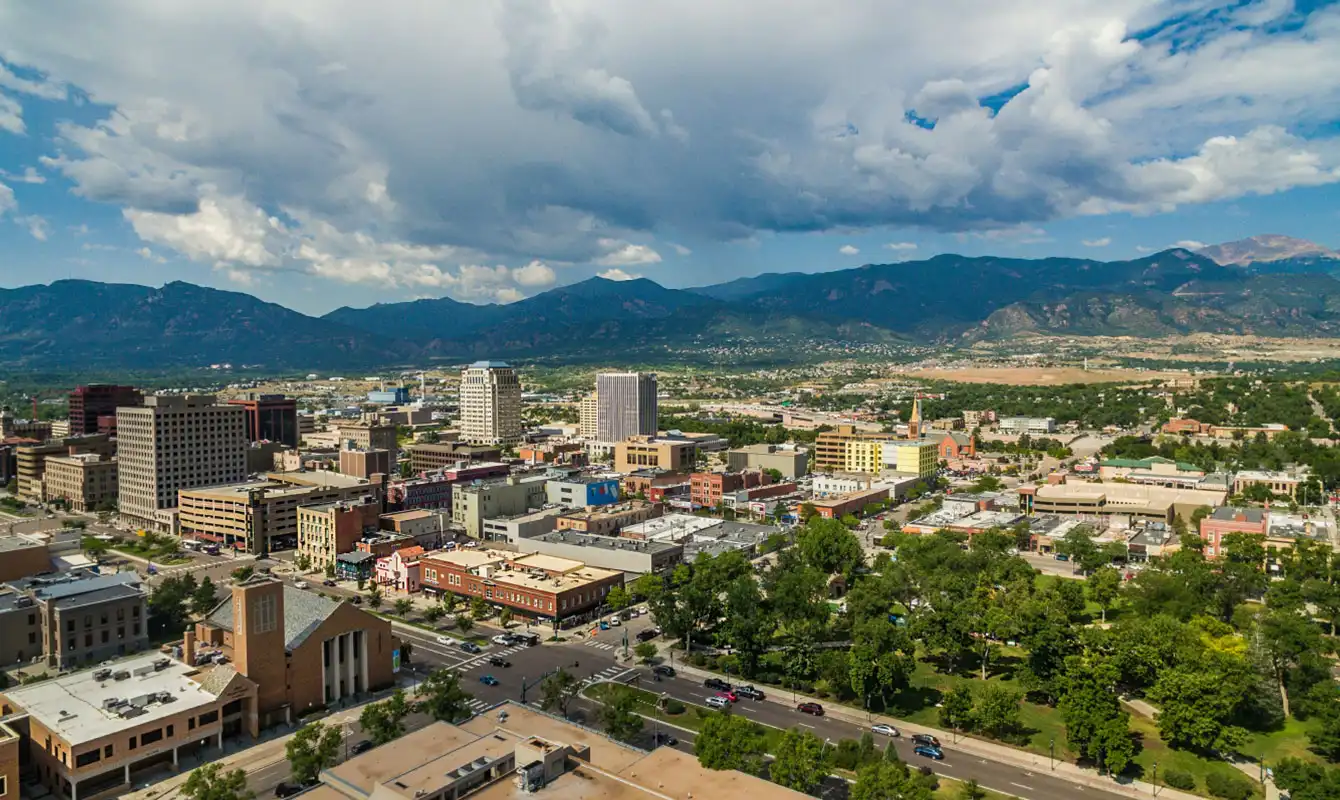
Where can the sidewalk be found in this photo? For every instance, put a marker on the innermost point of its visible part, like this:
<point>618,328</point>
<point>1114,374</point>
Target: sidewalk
<point>978,747</point>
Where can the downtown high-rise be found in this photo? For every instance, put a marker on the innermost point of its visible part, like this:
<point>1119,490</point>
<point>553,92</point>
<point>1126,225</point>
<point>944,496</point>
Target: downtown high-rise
<point>625,405</point>
<point>490,404</point>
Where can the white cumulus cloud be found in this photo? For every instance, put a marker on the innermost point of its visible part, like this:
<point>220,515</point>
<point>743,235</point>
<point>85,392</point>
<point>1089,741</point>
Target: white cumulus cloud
<point>617,274</point>
<point>535,273</point>
<point>1100,242</point>
<point>1189,244</point>
<point>849,250</point>
<point>901,246</point>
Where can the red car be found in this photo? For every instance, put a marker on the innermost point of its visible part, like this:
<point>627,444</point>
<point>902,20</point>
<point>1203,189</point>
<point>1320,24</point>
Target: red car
<point>811,708</point>
<point>731,696</point>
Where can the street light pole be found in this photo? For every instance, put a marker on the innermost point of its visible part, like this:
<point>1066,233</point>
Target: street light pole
<point>1154,790</point>
<point>1051,753</point>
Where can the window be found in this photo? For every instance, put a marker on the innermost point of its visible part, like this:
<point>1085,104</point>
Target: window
<point>73,644</point>
<point>91,757</point>
<point>169,731</point>
<point>88,640</point>
<point>134,743</point>
<point>32,637</point>
<point>149,737</point>
<point>69,626</point>
<point>135,611</point>
<point>105,636</point>
<point>107,751</point>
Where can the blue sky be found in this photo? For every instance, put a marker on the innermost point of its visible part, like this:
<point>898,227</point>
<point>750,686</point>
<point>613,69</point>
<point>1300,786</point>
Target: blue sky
<point>331,154</point>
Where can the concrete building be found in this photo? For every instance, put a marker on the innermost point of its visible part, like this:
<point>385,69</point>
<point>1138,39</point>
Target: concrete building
<point>85,481</point>
<point>301,650</point>
<point>633,556</point>
<point>73,618</point>
<point>918,457</point>
<point>608,521</point>
<point>261,516</point>
<point>538,586</point>
<point>271,418</point>
<point>1102,500</point>
<point>974,419</point>
<point>1029,425</point>
<point>1278,482</point>
<point>22,555</point>
<point>88,403</point>
<point>701,535</point>
<point>30,460</point>
<point>791,461</point>
<point>449,455</point>
<point>644,452</point>
<point>328,529</point>
<point>830,447</point>
<point>854,503</point>
<point>175,442</point>
<point>400,571</point>
<point>91,734</point>
<point>1154,470</point>
<point>395,396</point>
<point>521,752</point>
<point>588,414</point>
<point>582,492</point>
<point>490,404</point>
<point>366,463</point>
<point>427,527</point>
<point>472,503</point>
<point>626,405</point>
<point>511,529</point>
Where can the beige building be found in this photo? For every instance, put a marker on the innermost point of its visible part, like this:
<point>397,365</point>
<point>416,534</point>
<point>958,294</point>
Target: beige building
<point>830,447</point>
<point>329,529</point>
<point>608,520</point>
<point>490,404</point>
<point>793,462</point>
<point>175,442</point>
<point>32,460</point>
<point>86,481</point>
<point>262,516</point>
<point>371,432</point>
<point>1279,483</point>
<point>647,452</point>
<point>626,405</point>
<point>589,415</point>
<point>473,503</point>
<point>1101,500</point>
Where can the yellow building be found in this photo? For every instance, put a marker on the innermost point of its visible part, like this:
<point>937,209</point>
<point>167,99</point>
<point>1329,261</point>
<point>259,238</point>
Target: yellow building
<point>910,457</point>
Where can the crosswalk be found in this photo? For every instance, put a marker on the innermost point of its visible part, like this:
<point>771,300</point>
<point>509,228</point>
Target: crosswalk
<point>483,658</point>
<point>478,706</point>
<point>606,674</point>
<point>600,645</point>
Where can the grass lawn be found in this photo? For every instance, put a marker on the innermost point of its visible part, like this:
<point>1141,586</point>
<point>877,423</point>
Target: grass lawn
<point>951,789</point>
<point>1288,742</point>
<point>1154,751</point>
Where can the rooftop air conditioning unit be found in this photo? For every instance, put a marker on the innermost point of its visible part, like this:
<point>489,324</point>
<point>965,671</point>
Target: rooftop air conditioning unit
<point>102,674</point>
<point>121,675</point>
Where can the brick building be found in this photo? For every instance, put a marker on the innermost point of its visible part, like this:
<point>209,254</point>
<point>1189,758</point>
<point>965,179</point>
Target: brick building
<point>538,586</point>
<point>329,529</point>
<point>708,489</point>
<point>271,418</point>
<point>88,403</point>
<point>608,521</point>
<point>85,481</point>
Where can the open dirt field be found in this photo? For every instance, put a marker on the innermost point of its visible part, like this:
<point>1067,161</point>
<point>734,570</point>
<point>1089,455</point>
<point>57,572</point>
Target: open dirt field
<point>1044,376</point>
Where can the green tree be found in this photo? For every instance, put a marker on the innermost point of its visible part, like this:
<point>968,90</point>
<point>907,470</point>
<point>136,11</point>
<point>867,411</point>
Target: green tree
<point>242,573</point>
<point>505,617</point>
<point>1096,725</point>
<point>645,651</point>
<point>205,597</point>
<point>829,546</point>
<point>313,748</point>
<point>434,613</point>
<point>619,714</point>
<point>643,587</point>
<point>303,562</point>
<point>888,779</point>
<point>800,763</point>
<point>403,606</point>
<point>727,741</point>
<point>464,623</point>
<point>1104,586</point>
<point>167,605</point>
<point>618,598</point>
<point>210,782</point>
<point>971,791</point>
<point>1285,637</point>
<point>1079,547</point>
<point>956,708</point>
<point>479,609</point>
<point>1198,701</point>
<point>557,691</point>
<point>996,709</point>
<point>385,721</point>
<point>441,696</point>
<point>375,596</point>
<point>1304,780</point>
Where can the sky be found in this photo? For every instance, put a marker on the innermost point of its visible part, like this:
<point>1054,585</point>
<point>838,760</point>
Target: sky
<point>320,153</point>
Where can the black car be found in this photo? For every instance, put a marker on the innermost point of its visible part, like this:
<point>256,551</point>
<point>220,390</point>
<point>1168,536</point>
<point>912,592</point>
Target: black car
<point>716,683</point>
<point>749,692</point>
<point>648,634</point>
<point>664,739</point>
<point>499,661</point>
<point>926,739</point>
<point>664,671</point>
<point>362,747</point>
<point>528,639</point>
<point>286,789</point>
<point>470,647</point>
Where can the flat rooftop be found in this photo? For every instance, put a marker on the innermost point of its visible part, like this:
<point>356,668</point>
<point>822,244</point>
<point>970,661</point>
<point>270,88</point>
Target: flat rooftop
<point>670,526</point>
<point>9,544</point>
<point>109,594</point>
<point>71,705</point>
<point>407,516</point>
<point>559,574</point>
<point>598,542</point>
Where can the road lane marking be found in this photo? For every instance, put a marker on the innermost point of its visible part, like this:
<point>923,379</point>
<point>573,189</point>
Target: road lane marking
<point>1021,786</point>
<point>803,725</point>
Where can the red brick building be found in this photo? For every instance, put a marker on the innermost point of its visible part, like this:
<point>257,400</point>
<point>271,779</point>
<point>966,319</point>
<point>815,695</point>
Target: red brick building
<point>538,586</point>
<point>88,403</point>
<point>707,489</point>
<point>1226,520</point>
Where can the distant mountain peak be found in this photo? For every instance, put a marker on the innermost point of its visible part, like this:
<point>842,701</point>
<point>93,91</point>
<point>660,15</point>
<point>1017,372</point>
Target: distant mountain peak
<point>1265,248</point>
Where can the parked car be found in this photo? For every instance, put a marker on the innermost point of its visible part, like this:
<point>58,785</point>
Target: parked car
<point>287,789</point>
<point>717,701</point>
<point>528,639</point>
<point>881,728</point>
<point>499,661</point>
<point>470,647</point>
<point>615,621</point>
<point>300,584</point>
<point>662,738</point>
<point>811,708</point>
<point>750,692</point>
<point>502,640</point>
<point>716,683</point>
<point>362,747</point>
<point>488,680</point>
<point>444,640</point>
<point>328,582</point>
<point>926,739</point>
<point>356,600</point>
<point>664,670</point>
<point>648,634</point>
<point>929,752</point>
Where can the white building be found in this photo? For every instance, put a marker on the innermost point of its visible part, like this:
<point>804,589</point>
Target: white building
<point>1030,425</point>
<point>626,405</point>
<point>175,442</point>
<point>490,404</point>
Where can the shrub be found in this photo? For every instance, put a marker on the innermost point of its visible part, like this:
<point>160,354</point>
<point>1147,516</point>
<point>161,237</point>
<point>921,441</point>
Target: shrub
<point>1228,786</point>
<point>673,707</point>
<point>1180,779</point>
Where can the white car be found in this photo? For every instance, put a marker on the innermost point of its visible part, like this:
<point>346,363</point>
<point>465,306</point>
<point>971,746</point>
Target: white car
<point>717,702</point>
<point>444,640</point>
<point>502,640</point>
<point>300,584</point>
<point>614,622</point>
<point>887,730</point>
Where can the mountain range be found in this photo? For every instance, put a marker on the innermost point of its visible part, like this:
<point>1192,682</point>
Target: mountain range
<point>1267,285</point>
